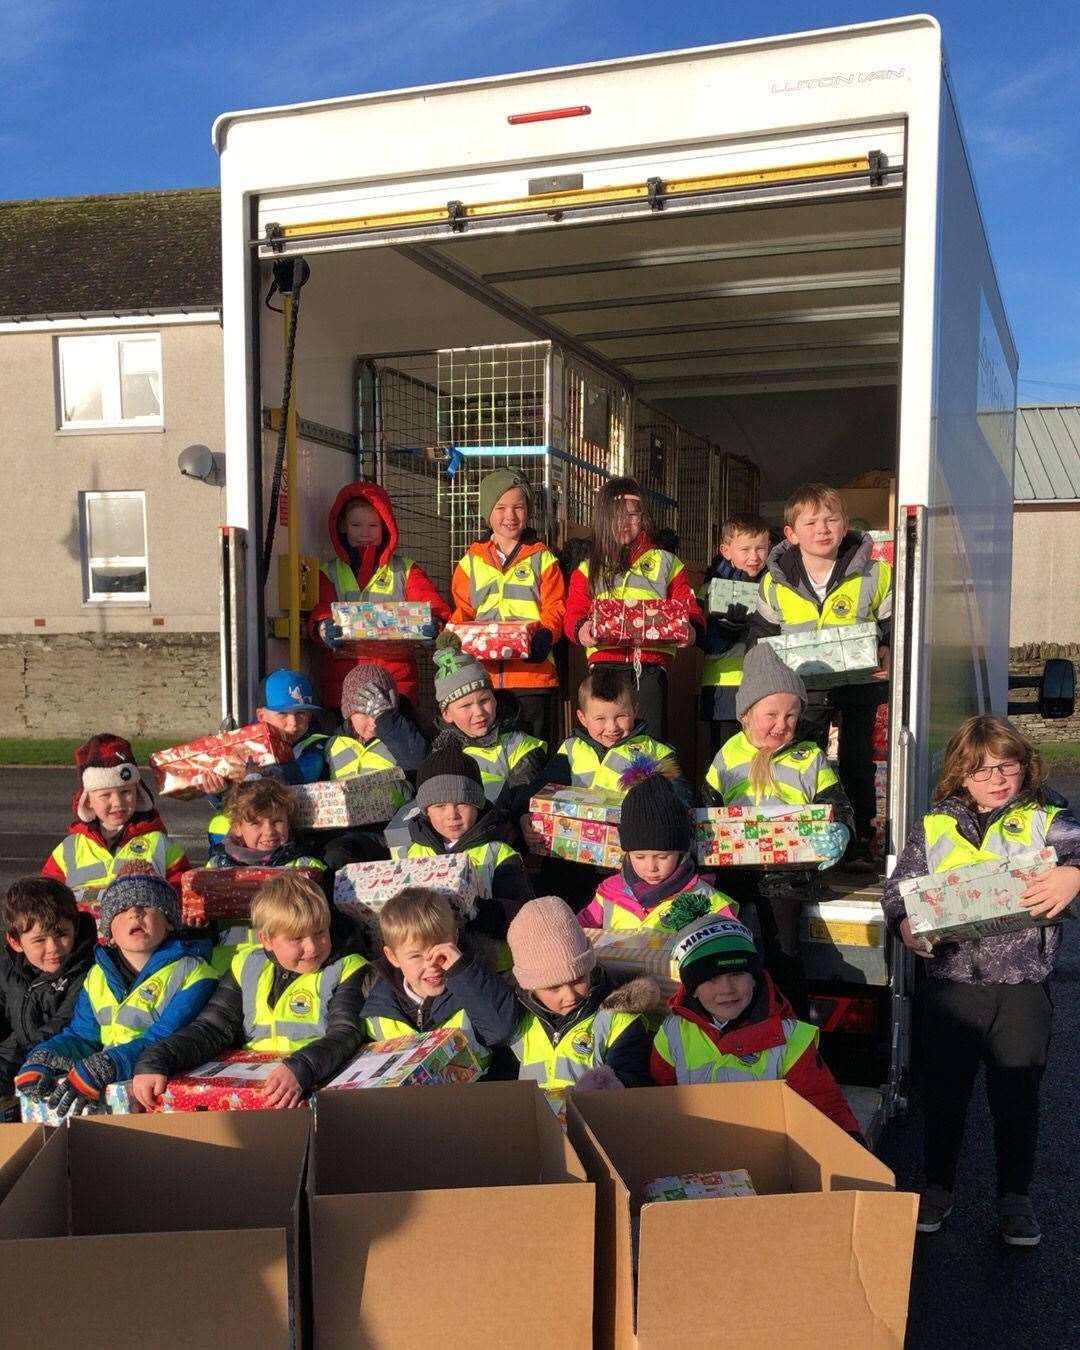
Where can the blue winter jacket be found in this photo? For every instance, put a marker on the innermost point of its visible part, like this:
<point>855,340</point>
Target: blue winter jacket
<point>82,1035</point>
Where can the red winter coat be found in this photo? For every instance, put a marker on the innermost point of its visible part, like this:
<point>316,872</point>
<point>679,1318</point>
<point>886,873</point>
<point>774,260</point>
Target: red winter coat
<point>332,668</point>
<point>762,1029</point>
<point>143,822</point>
<point>579,606</point>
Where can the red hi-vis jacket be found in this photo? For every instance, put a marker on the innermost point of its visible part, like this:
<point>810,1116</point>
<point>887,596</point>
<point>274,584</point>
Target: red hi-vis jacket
<point>66,860</point>
<point>579,602</point>
<point>333,668</point>
<point>757,1034</point>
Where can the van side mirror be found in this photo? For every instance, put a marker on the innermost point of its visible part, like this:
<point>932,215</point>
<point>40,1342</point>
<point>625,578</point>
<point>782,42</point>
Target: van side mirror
<point>1057,697</point>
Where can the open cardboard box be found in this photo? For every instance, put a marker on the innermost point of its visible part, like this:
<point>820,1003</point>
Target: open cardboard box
<point>820,1256</point>
<point>164,1229</point>
<point>19,1146</point>
<point>453,1216</point>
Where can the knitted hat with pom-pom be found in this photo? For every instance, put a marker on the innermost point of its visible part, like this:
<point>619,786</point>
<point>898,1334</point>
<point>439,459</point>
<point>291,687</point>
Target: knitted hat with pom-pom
<point>652,817</point>
<point>455,673</point>
<point>107,761</point>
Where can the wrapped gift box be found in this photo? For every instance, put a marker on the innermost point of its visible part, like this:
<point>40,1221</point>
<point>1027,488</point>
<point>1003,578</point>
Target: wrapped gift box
<point>974,901</point>
<point>367,799</point>
<point>361,889</point>
<point>120,1102</point>
<point>496,641</point>
<point>226,893</point>
<point>700,1186</point>
<point>182,770</point>
<point>646,951</point>
<point>383,620</point>
<point>39,1113</point>
<point>639,623</point>
<point>585,841</point>
<point>724,593</point>
<point>440,1056</point>
<point>232,1083</point>
<point>825,657</point>
<point>578,803</point>
<point>883,547</point>
<point>742,836</point>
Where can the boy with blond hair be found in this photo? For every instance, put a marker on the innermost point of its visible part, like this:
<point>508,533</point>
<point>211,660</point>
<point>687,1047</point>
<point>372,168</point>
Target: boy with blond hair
<point>428,981</point>
<point>820,576</point>
<point>298,993</point>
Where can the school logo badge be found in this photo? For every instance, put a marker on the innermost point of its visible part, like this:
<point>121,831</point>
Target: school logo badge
<point>748,1059</point>
<point>522,574</point>
<point>150,992</point>
<point>301,1004</point>
<point>1013,824</point>
<point>581,1042</point>
<point>842,607</point>
<point>137,847</point>
<point>800,754</point>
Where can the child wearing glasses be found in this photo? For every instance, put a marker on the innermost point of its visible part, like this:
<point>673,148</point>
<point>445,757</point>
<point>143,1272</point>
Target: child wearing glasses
<point>625,562</point>
<point>987,1000</point>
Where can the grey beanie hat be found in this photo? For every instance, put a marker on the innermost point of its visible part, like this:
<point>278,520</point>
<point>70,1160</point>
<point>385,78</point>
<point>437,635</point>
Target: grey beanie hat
<point>456,675</point>
<point>449,775</point>
<point>764,674</point>
<point>145,889</point>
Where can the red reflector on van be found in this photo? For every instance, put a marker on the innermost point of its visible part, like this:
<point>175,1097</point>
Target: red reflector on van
<point>549,114</point>
<point>837,1012</point>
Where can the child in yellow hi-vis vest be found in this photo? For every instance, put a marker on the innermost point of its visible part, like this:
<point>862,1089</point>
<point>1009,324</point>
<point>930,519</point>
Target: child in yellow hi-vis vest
<point>298,992</point>
<point>144,984</point>
<point>987,1000</point>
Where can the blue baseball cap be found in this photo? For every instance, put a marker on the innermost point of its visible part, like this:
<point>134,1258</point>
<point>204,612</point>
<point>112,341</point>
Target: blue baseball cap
<point>286,691</point>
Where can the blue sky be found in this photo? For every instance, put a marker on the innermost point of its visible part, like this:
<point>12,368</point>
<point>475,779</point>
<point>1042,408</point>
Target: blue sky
<point>113,96</point>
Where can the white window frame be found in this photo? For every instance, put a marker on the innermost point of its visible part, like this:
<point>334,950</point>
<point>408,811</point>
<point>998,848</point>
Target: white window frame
<point>90,560</point>
<point>111,418</point>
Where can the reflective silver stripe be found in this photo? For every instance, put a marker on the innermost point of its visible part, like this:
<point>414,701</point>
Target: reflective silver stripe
<point>676,1049</point>
<point>396,568</point>
<point>284,1026</point>
<point>80,876</point>
<point>994,841</point>
<point>347,753</point>
<point>136,1019</point>
<point>253,965</point>
<point>803,780</point>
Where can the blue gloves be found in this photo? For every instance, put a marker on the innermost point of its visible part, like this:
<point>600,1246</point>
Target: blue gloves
<point>329,634</point>
<point>40,1074</point>
<point>84,1085</point>
<point>429,631</point>
<point>831,842</point>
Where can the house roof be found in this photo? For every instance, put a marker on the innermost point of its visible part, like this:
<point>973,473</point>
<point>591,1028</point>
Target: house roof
<point>122,254</point>
<point>1047,453</point>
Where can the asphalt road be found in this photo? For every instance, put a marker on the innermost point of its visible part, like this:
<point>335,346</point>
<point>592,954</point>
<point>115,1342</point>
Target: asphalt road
<point>967,1289</point>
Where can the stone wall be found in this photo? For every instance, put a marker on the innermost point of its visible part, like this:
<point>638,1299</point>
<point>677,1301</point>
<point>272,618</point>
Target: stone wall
<point>134,684</point>
<point>1029,660</point>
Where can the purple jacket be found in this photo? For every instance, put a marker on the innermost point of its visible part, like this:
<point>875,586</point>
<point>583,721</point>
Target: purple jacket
<point>1005,958</point>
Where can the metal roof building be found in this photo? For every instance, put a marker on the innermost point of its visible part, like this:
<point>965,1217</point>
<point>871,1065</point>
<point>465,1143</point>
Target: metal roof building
<point>1047,453</point>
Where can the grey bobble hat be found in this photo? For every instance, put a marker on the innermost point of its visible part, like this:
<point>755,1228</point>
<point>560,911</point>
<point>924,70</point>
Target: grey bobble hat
<point>145,889</point>
<point>456,675</point>
<point>764,674</point>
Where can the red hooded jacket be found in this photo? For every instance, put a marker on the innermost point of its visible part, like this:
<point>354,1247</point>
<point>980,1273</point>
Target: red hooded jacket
<point>142,822</point>
<point>808,1076</point>
<point>333,668</point>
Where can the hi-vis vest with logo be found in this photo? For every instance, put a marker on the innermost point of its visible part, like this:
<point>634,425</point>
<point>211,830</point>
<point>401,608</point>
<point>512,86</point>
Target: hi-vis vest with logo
<point>726,669</point>
<point>507,596</point>
<point>498,761</point>
<point>588,769</point>
<point>616,916</point>
<point>299,1015</point>
<point>856,600</point>
<point>799,773</point>
<point>580,1048</point>
<point>697,1059</point>
<point>388,1028</point>
<point>218,827</point>
<point>648,578</point>
<point>486,858</point>
<point>348,757</point>
<point>386,582</point>
<point>1017,828</point>
<point>122,1020</point>
<point>87,863</point>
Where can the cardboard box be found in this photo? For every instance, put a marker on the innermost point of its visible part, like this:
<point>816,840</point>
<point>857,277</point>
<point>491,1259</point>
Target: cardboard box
<point>700,1186</point>
<point>383,620</point>
<point>724,593</point>
<point>875,502</point>
<point>440,1056</point>
<point>181,770</point>
<point>500,641</point>
<point>822,1200</point>
<point>232,1083</point>
<point>202,1210</point>
<point>457,1217</point>
<point>827,657</point>
<point>975,901</point>
<point>639,623</point>
<point>742,836</point>
<point>226,893</point>
<point>361,889</point>
<point>580,824</point>
<point>19,1146</point>
<point>367,799</point>
<point>648,951</point>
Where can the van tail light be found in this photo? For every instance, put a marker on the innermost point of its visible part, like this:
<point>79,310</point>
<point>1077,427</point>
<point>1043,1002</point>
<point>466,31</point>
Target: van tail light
<point>853,1016</point>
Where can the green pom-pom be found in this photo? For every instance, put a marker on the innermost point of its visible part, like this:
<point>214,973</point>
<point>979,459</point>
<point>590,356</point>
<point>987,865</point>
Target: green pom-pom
<point>447,655</point>
<point>685,910</point>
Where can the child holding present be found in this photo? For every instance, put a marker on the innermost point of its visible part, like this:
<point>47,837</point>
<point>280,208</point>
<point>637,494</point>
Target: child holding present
<point>987,1001</point>
<point>296,993</point>
<point>144,984</point>
<point>625,564</point>
<point>512,577</point>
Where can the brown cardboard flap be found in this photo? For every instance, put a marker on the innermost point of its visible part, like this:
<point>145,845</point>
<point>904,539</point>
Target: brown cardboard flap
<point>558,1161</point>
<point>824,1158</point>
<point>37,1204</point>
<point>161,1289</point>
<point>19,1144</point>
<point>447,1267</point>
<point>846,1258</point>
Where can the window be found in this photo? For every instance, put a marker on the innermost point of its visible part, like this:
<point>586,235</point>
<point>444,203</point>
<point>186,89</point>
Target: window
<point>114,547</point>
<point>110,380</point>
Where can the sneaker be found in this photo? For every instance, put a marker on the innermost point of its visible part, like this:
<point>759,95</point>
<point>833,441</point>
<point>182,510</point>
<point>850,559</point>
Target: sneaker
<point>935,1206</point>
<point>1017,1222</point>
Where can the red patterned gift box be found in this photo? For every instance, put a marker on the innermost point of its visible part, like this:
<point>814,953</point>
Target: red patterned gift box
<point>639,623</point>
<point>501,641</point>
<point>367,799</point>
<point>182,770</point>
<point>232,1083</point>
<point>226,893</point>
<point>743,836</point>
<point>883,546</point>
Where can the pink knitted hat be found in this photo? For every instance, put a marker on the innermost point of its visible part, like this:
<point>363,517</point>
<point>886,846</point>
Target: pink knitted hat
<point>548,944</point>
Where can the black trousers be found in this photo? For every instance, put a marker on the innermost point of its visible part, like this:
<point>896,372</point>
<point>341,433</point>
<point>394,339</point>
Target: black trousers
<point>1006,1027</point>
<point>651,696</point>
<point>855,758</point>
<point>538,715</point>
